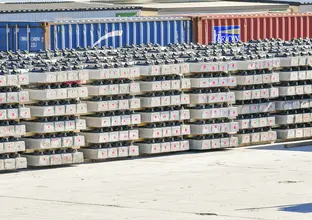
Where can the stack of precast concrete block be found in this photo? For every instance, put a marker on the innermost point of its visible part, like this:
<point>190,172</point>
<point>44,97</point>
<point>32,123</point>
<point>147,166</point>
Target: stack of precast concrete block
<point>12,110</point>
<point>55,90</point>
<point>255,96</point>
<point>116,103</point>
<point>163,114</point>
<point>112,106</point>
<point>211,105</point>
<point>294,104</point>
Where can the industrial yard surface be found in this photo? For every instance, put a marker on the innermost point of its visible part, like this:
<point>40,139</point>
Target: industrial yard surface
<point>242,184</point>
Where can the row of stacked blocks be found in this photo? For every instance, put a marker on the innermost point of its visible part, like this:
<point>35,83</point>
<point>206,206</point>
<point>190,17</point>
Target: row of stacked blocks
<point>12,111</point>
<point>94,111</point>
<point>113,116</point>
<point>55,104</point>
<point>163,113</point>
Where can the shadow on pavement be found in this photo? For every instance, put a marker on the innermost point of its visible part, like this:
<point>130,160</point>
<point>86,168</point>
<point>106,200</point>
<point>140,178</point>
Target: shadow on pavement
<point>279,147</point>
<point>300,208</point>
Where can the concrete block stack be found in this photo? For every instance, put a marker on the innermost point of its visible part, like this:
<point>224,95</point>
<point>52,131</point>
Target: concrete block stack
<point>55,91</point>
<point>112,106</point>
<point>62,107</point>
<point>294,105</point>
<point>163,113</point>
<point>255,95</point>
<point>211,104</point>
<point>12,109</point>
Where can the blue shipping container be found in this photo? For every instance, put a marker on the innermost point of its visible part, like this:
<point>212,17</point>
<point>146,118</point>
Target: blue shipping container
<point>33,36</point>
<point>21,36</point>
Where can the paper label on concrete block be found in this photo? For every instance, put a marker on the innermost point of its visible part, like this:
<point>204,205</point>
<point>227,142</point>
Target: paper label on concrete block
<point>165,147</point>
<point>123,135</point>
<point>56,159</point>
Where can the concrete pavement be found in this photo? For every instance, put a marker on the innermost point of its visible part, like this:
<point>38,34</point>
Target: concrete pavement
<point>240,184</point>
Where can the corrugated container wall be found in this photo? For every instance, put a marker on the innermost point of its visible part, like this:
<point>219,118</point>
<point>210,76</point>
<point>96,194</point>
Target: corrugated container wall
<point>134,31</point>
<point>21,36</point>
<point>220,28</point>
<point>33,36</point>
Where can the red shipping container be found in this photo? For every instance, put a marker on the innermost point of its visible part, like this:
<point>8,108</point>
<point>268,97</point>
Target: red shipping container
<point>214,28</point>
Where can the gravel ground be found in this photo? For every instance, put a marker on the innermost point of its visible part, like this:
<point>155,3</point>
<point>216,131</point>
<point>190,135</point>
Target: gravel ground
<point>239,184</point>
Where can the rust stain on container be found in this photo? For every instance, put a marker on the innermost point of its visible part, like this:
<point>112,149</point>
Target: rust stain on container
<point>251,26</point>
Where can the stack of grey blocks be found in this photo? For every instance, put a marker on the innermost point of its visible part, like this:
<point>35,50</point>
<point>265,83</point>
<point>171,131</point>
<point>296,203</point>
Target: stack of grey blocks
<point>53,131</point>
<point>12,101</point>
<point>112,118</point>
<point>211,107</point>
<point>100,104</point>
<point>163,116</point>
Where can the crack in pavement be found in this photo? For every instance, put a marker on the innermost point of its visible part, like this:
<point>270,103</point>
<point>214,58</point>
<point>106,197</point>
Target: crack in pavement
<point>203,214</point>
